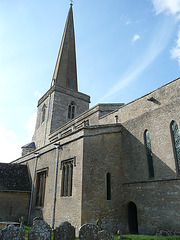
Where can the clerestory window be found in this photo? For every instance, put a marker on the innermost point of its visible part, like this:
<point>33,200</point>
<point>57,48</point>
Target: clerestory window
<point>176,144</point>
<point>147,141</point>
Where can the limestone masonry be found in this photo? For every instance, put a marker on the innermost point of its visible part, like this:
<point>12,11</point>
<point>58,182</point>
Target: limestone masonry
<point>119,163</point>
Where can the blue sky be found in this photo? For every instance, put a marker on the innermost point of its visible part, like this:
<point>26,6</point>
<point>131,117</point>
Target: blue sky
<point>125,49</point>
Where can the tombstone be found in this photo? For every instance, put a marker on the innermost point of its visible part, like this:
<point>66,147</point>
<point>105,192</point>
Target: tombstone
<point>105,235</point>
<point>88,232</point>
<point>40,231</point>
<point>21,221</point>
<point>0,234</point>
<point>13,233</point>
<point>36,219</point>
<point>65,231</point>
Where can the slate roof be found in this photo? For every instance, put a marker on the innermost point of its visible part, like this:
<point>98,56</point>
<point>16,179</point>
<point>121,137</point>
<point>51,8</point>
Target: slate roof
<point>14,177</point>
<point>29,145</point>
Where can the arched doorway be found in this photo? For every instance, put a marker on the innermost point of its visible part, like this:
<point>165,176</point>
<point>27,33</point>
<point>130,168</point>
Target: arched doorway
<point>132,218</point>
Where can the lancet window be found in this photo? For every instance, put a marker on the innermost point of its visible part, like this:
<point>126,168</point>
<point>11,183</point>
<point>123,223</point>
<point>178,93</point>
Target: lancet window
<point>71,83</point>
<point>176,144</point>
<point>71,111</point>
<point>43,113</point>
<point>147,140</point>
<point>108,186</point>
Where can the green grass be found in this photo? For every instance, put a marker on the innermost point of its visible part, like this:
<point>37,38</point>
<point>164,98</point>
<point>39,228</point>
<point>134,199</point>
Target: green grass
<point>146,237</point>
<point>132,237</point>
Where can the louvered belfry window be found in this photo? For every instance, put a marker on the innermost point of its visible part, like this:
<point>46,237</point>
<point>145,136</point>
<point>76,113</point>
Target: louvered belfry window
<point>71,111</point>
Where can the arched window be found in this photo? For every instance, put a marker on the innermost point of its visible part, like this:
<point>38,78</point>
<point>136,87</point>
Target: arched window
<point>43,113</point>
<point>71,111</point>
<point>108,186</point>
<point>147,141</point>
<point>71,83</point>
<point>176,144</point>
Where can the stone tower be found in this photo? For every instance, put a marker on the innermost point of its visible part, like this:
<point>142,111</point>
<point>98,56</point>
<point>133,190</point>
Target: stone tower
<point>62,102</point>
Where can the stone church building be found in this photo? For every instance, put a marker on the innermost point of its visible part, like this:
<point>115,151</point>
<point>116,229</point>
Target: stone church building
<point>116,162</point>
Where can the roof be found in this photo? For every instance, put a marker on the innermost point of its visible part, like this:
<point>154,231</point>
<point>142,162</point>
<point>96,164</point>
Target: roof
<point>29,145</point>
<point>14,177</point>
<point>65,73</point>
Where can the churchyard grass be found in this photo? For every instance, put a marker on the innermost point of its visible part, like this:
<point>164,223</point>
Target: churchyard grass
<point>132,237</point>
<point>145,237</point>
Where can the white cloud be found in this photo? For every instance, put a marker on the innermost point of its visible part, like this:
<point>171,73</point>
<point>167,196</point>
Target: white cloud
<point>30,126</point>
<point>175,51</point>
<point>168,6</point>
<point>128,22</point>
<point>136,37</point>
<point>9,144</point>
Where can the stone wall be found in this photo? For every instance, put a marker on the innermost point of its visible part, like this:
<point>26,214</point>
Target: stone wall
<point>157,205</point>
<point>102,155</point>
<point>13,206</point>
<point>56,102</point>
<point>102,146</point>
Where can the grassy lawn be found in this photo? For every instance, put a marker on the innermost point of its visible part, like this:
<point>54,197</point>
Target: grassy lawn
<point>132,237</point>
<point>135,237</point>
<point>145,237</point>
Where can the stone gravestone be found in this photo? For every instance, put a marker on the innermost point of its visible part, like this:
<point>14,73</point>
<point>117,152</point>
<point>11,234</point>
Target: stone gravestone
<point>40,231</point>
<point>88,232</point>
<point>13,233</point>
<point>0,234</point>
<point>105,235</point>
<point>65,231</point>
<point>36,219</point>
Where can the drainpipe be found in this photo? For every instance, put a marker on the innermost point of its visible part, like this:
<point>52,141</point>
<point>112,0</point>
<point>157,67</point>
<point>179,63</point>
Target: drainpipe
<point>55,184</point>
<point>32,188</point>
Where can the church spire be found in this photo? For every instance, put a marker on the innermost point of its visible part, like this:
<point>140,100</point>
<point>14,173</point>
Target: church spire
<point>65,73</point>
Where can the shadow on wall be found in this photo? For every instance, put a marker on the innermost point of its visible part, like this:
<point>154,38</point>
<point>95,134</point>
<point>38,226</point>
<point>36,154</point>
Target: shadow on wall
<point>151,187</point>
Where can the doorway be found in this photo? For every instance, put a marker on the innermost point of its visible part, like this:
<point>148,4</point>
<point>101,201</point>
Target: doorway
<point>132,218</point>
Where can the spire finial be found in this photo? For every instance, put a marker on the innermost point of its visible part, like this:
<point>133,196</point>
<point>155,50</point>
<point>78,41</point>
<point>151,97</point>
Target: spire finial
<point>71,2</point>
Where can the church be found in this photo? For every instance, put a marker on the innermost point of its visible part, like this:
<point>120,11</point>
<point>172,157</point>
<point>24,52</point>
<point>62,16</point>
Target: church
<point>116,162</point>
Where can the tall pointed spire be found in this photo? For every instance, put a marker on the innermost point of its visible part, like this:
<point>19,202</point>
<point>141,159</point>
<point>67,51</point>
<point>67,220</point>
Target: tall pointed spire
<point>65,73</point>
